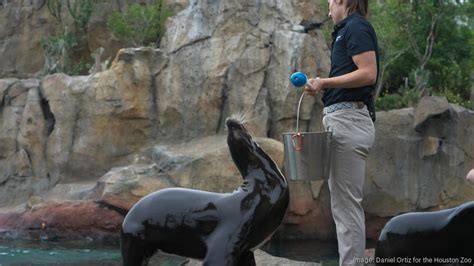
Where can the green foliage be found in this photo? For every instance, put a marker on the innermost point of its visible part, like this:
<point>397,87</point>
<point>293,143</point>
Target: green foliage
<point>389,102</point>
<point>56,50</point>
<point>455,98</point>
<point>405,97</point>
<point>140,25</point>
<point>405,29</point>
<point>67,50</point>
<point>80,68</point>
<point>58,44</point>
<point>81,11</point>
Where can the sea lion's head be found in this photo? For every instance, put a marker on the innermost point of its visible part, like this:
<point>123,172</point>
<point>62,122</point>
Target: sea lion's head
<point>244,150</point>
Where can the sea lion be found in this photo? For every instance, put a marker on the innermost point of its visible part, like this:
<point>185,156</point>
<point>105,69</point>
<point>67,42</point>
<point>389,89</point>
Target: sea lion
<point>440,237</point>
<point>218,228</point>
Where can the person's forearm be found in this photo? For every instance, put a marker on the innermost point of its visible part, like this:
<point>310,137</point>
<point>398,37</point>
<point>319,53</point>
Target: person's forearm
<point>355,79</point>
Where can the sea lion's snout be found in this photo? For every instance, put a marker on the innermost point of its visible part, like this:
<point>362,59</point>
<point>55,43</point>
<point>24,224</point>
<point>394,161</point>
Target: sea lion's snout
<point>233,124</point>
<point>238,132</point>
<point>242,147</point>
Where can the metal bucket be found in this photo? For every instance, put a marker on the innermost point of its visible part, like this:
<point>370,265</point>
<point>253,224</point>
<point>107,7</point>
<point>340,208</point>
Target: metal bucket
<point>307,154</point>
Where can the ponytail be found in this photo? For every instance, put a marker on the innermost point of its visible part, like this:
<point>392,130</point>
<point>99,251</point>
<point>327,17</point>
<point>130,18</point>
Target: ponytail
<point>359,6</point>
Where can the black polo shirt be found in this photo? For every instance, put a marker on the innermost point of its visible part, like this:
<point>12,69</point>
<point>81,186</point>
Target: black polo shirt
<point>350,37</point>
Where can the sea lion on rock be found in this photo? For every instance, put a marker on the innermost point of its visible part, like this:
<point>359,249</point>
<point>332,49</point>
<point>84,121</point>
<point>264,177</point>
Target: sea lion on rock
<point>440,237</point>
<point>218,228</point>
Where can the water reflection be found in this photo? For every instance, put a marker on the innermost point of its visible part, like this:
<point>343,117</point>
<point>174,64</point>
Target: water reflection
<point>22,253</point>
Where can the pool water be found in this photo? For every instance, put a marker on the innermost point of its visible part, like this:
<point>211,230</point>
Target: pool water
<point>51,253</point>
<point>22,253</point>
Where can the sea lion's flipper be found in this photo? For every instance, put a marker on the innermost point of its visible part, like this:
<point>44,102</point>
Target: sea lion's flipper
<point>247,259</point>
<point>220,250</point>
<point>132,250</point>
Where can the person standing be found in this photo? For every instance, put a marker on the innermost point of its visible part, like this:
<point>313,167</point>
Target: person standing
<point>349,113</point>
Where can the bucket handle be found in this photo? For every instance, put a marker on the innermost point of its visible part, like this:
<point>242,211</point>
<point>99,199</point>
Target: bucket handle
<point>298,113</point>
<point>297,138</point>
<point>298,145</point>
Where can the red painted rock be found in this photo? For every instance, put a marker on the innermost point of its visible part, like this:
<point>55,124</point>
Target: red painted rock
<point>374,225</point>
<point>69,220</point>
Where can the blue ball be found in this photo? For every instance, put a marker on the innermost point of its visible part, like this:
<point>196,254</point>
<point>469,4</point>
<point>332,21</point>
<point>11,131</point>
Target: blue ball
<point>298,79</point>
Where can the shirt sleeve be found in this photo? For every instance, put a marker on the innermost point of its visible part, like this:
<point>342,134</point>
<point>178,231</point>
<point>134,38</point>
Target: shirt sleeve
<point>359,39</point>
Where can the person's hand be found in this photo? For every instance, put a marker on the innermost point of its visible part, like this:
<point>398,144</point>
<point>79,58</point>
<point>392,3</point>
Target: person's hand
<point>470,176</point>
<point>313,87</point>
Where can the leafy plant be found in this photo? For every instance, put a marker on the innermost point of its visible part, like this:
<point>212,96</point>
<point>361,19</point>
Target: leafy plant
<point>405,97</point>
<point>140,25</point>
<point>56,50</point>
<point>455,98</point>
<point>67,51</point>
<point>427,43</point>
<point>81,11</point>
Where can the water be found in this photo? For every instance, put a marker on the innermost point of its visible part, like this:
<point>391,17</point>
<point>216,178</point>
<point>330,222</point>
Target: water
<point>23,253</point>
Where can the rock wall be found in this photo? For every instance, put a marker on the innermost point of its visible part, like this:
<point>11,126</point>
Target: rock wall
<point>420,159</point>
<point>75,128</point>
<point>218,58</point>
<point>247,49</point>
<point>155,119</point>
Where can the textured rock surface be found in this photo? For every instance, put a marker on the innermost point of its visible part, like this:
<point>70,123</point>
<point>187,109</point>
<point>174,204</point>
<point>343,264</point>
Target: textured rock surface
<point>75,128</point>
<point>100,119</point>
<point>23,25</point>
<point>23,134</point>
<point>428,107</point>
<point>410,170</point>
<point>246,51</point>
<point>203,164</point>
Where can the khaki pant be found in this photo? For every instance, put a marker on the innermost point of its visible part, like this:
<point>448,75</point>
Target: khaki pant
<point>353,136</point>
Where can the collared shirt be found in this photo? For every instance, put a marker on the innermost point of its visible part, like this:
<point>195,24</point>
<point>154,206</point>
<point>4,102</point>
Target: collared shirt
<point>351,36</point>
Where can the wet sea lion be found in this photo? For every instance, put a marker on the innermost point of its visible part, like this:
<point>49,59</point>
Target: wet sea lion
<point>218,228</point>
<point>440,237</point>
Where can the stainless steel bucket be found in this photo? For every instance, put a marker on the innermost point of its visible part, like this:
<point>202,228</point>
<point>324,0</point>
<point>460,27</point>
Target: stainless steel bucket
<point>307,154</point>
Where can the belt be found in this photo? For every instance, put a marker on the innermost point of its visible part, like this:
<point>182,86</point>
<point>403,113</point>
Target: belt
<point>343,105</point>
